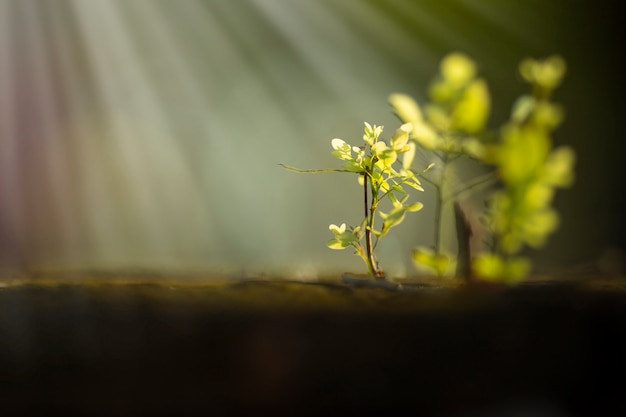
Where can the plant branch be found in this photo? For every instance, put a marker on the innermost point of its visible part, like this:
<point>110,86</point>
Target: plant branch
<point>369,214</point>
<point>478,182</point>
<point>428,180</point>
<point>315,170</point>
<point>439,202</point>
<point>438,212</point>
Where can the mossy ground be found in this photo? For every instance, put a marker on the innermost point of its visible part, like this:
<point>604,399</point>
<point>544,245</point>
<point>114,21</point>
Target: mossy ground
<point>154,344</point>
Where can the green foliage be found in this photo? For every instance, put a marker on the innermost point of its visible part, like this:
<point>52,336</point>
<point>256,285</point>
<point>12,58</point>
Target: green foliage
<point>492,267</point>
<point>384,171</point>
<point>438,262</point>
<point>448,128</point>
<point>530,170</point>
<point>452,125</point>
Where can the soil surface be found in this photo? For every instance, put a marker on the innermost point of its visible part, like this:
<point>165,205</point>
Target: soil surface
<point>130,345</point>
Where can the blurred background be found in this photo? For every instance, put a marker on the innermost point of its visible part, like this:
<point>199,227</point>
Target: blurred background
<point>146,134</point>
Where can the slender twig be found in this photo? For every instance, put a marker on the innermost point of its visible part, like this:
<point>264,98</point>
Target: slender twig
<point>483,180</point>
<point>428,180</point>
<point>369,214</point>
<point>438,212</point>
<point>370,264</point>
<point>439,203</point>
<point>315,170</point>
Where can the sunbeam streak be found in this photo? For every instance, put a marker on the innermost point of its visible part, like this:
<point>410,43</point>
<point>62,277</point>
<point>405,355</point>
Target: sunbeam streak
<point>11,206</point>
<point>147,133</point>
<point>124,102</point>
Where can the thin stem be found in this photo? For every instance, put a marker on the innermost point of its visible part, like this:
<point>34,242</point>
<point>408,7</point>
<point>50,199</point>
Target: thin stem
<point>367,257</point>
<point>428,180</point>
<point>477,183</point>
<point>314,170</point>
<point>365,196</point>
<point>361,253</point>
<point>438,212</point>
<point>439,204</point>
<point>369,214</point>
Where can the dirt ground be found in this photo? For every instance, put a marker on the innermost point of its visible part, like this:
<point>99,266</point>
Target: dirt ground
<point>124,345</point>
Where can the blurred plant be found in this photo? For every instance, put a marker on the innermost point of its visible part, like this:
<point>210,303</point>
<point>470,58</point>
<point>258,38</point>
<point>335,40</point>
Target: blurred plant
<point>530,170</point>
<point>450,129</point>
<point>374,163</point>
<point>522,160</point>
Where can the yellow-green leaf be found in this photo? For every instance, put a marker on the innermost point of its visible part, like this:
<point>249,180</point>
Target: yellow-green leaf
<point>423,256</point>
<point>558,169</point>
<point>401,137</point>
<point>457,68</point>
<point>471,112</point>
<point>406,108</point>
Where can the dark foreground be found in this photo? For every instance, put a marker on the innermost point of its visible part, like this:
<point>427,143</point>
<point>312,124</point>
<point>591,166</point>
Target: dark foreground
<point>159,347</point>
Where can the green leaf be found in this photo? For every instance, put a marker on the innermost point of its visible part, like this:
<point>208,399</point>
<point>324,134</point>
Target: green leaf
<point>408,156</point>
<point>547,115</point>
<point>415,207</point>
<point>426,136</point>
<point>516,269</point>
<point>546,74</point>
<point>457,68</point>
<point>337,230</point>
<point>398,188</point>
<point>378,148</point>
<point>439,118</point>
<point>394,200</point>
<point>488,266</point>
<point>353,166</point>
<point>405,108</point>
<point>342,150</point>
<point>401,137</point>
<point>371,133</point>
<point>538,196</point>
<point>393,218</point>
<point>386,156</point>
<point>472,110</point>
<point>493,268</point>
<point>397,213</point>
<point>426,257</point>
<point>511,242</point>
<point>539,225</point>
<point>522,109</point>
<point>343,238</point>
<point>337,244</point>
<point>379,181</point>
<point>441,91</point>
<point>522,153</point>
<point>558,169</point>
<point>415,185</point>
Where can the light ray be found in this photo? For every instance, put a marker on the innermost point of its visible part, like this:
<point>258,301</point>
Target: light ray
<point>122,107</point>
<point>94,202</point>
<point>310,27</point>
<point>42,138</point>
<point>160,123</point>
<point>11,206</point>
<point>180,192</point>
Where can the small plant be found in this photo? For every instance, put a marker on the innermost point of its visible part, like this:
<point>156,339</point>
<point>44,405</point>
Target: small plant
<point>519,157</point>
<point>451,127</point>
<point>384,171</point>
